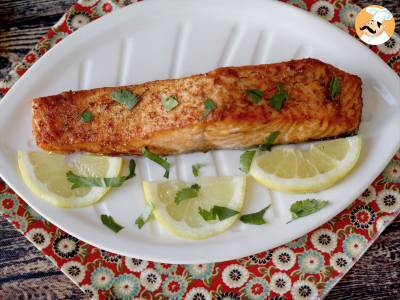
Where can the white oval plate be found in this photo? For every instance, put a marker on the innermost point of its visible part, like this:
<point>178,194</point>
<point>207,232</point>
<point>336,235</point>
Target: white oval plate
<point>162,39</point>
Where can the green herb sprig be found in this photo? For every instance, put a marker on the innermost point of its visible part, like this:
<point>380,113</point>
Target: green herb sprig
<point>125,97</point>
<point>158,160</point>
<point>255,95</point>
<point>196,169</point>
<point>306,207</point>
<point>209,106</point>
<point>277,99</point>
<point>217,212</point>
<point>256,218</point>
<point>269,141</point>
<point>247,157</point>
<point>110,223</point>
<point>334,87</point>
<point>169,103</point>
<point>83,181</point>
<point>187,193</point>
<point>245,160</point>
<point>145,216</point>
<point>86,116</point>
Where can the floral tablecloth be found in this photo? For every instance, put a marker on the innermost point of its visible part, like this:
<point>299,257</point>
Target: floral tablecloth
<point>306,268</point>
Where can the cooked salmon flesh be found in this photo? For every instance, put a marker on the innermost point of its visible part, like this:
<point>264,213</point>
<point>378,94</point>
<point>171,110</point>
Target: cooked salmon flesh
<point>227,108</point>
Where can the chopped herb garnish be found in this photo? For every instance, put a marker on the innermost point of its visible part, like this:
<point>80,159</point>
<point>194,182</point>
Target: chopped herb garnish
<point>306,207</point>
<point>207,215</point>
<point>169,103</point>
<point>140,222</point>
<point>256,218</point>
<point>215,212</point>
<point>86,116</point>
<point>277,99</point>
<point>110,223</point>
<point>196,169</point>
<point>209,106</point>
<point>82,181</point>
<point>144,217</point>
<point>334,87</point>
<point>255,95</point>
<point>187,193</point>
<point>125,97</point>
<point>269,141</point>
<point>158,160</point>
<point>245,160</point>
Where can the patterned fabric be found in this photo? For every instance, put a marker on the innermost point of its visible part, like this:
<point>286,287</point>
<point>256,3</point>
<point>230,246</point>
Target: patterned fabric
<point>302,269</point>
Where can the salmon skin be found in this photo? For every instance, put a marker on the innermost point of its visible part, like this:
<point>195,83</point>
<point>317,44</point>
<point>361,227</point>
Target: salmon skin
<point>308,114</point>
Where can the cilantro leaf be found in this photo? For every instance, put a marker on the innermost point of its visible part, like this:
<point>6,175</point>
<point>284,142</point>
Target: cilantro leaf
<point>110,223</point>
<point>125,97</point>
<point>145,216</point>
<point>223,212</point>
<point>209,106</point>
<point>86,116</point>
<point>187,193</point>
<point>158,160</point>
<point>245,160</point>
<point>277,99</point>
<point>269,141</point>
<point>169,103</point>
<point>256,218</point>
<point>81,181</point>
<point>207,215</point>
<point>306,207</point>
<point>334,87</point>
<point>139,222</point>
<point>215,212</point>
<point>196,169</point>
<point>255,95</point>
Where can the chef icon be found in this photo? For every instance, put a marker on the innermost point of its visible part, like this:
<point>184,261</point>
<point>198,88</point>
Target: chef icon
<point>374,30</point>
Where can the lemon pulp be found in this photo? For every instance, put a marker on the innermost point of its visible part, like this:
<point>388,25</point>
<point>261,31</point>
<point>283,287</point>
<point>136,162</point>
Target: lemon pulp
<point>298,170</point>
<point>45,175</point>
<point>183,219</point>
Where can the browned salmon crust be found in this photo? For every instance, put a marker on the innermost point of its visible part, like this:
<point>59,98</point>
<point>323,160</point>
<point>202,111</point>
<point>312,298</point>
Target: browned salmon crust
<point>308,114</point>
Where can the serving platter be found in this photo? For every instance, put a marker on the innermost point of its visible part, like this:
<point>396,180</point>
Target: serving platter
<point>170,39</point>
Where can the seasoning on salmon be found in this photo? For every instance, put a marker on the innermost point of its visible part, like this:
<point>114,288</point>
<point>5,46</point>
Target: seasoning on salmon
<point>203,112</point>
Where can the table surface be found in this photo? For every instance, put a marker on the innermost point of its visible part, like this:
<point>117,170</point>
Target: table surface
<point>25,273</point>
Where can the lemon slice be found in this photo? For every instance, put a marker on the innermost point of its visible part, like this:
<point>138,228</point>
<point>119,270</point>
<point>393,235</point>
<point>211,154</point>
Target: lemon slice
<point>306,168</point>
<point>45,175</point>
<point>183,219</point>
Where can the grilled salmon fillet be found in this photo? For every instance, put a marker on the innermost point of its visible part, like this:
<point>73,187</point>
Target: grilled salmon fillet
<point>309,113</point>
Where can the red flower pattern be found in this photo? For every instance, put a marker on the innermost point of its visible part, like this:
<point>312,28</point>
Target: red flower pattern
<point>107,7</point>
<point>30,57</point>
<point>7,203</point>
